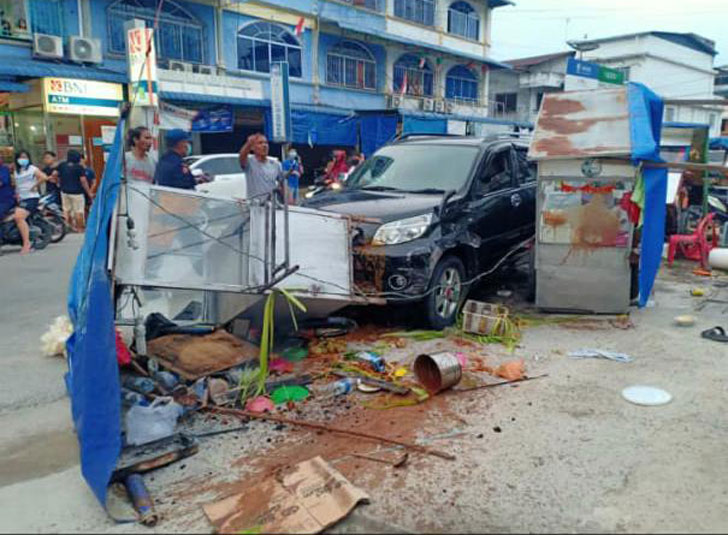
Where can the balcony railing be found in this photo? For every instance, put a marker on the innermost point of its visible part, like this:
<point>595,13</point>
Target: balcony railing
<point>374,5</point>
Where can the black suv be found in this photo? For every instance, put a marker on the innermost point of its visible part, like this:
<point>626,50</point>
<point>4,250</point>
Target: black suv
<point>433,212</point>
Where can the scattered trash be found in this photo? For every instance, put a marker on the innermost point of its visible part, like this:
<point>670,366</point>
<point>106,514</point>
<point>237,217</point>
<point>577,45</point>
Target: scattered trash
<point>123,355</point>
<point>400,372</point>
<point>142,459</point>
<point>685,320</point>
<point>167,379</point>
<point>502,383</point>
<point>700,272</point>
<point>144,385</point>
<point>697,292</point>
<point>646,395</point>
<point>419,336</point>
<point>53,341</point>
<point>600,354</point>
<point>144,424</point>
<point>717,334</point>
<point>372,359</point>
<point>438,371</point>
<point>308,498</point>
<point>511,371</point>
<point>259,405</point>
<point>218,389</point>
<point>397,463</point>
<point>140,498</point>
<point>366,388</point>
<point>280,365</point>
<point>295,354</point>
<point>379,383</point>
<point>718,258</point>
<point>284,394</point>
<point>337,388</point>
<point>485,318</point>
<point>462,359</point>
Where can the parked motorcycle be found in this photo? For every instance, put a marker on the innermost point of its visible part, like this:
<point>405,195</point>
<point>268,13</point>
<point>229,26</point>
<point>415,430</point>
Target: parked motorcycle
<point>52,212</point>
<point>695,213</point>
<point>321,184</point>
<point>41,231</point>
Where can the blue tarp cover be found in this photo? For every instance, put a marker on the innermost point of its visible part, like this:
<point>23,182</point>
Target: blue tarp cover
<point>376,131</point>
<point>719,143</point>
<point>93,376</point>
<point>645,109</point>
<point>422,125</point>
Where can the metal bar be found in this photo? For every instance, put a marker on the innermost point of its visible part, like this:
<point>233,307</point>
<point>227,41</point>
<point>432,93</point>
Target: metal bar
<point>695,102</point>
<point>267,245</point>
<point>286,245</point>
<point>273,218</point>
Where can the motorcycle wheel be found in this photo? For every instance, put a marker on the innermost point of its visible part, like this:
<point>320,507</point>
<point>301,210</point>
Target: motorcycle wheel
<point>44,238</point>
<point>59,227</point>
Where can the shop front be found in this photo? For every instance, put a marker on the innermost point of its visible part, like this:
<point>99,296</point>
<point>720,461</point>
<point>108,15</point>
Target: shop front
<point>61,114</point>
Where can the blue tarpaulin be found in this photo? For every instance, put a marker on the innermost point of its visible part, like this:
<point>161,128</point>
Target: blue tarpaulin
<point>718,143</point>
<point>93,376</point>
<point>376,131</point>
<point>312,128</point>
<point>423,125</point>
<point>645,109</point>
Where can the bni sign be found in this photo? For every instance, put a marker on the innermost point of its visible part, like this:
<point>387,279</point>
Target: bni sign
<point>81,97</point>
<point>587,75</point>
<point>280,102</point>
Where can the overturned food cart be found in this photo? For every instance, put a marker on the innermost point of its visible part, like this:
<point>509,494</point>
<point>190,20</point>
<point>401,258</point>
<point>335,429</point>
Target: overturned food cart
<point>592,191</point>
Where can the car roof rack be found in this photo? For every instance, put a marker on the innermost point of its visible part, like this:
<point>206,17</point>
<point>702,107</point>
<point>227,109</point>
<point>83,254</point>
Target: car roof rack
<point>424,134</point>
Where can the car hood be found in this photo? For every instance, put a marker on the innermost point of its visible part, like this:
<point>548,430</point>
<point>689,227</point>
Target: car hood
<point>383,205</point>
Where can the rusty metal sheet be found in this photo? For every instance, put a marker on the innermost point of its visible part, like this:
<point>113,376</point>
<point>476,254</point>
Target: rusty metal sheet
<point>582,124</point>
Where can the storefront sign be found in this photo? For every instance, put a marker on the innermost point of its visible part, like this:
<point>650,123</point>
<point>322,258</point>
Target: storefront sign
<point>142,67</point>
<point>587,75</point>
<point>81,97</point>
<point>214,120</point>
<point>280,102</point>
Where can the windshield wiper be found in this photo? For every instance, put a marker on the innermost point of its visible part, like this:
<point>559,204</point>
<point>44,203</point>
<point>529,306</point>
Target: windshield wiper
<point>380,188</point>
<point>427,191</point>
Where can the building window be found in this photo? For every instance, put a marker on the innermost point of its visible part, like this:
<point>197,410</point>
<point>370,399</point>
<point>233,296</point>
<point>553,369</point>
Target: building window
<point>376,5</point>
<point>421,11</point>
<point>46,16</point>
<point>506,102</point>
<point>539,100</point>
<point>351,65</point>
<point>669,114</point>
<point>180,36</point>
<point>463,20</point>
<point>261,43</point>
<point>461,84</point>
<point>413,76</point>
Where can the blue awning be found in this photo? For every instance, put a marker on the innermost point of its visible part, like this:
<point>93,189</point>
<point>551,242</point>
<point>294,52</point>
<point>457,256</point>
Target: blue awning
<point>718,143</point>
<point>38,69</point>
<point>13,87</point>
<point>686,125</point>
<point>213,99</point>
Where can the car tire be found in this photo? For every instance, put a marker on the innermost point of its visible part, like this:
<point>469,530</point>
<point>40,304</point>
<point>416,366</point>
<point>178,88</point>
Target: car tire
<point>447,292</point>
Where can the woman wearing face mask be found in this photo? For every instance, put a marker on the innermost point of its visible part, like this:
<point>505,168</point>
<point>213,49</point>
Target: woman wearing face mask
<point>27,180</point>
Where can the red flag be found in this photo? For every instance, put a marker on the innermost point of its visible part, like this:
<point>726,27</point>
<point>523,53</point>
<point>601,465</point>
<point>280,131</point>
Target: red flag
<point>299,27</point>
<point>403,87</point>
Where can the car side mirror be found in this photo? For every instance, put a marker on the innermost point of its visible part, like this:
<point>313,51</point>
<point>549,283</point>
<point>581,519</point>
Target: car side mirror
<point>197,173</point>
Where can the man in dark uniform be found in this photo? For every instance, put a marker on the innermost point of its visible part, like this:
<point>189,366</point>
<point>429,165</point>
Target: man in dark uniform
<point>171,169</point>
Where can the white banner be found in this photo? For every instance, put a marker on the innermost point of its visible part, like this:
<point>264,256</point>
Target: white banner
<point>175,117</point>
<point>142,67</point>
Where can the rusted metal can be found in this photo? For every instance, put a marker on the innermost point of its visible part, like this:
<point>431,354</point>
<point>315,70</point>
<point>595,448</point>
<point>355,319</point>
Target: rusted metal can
<point>438,371</point>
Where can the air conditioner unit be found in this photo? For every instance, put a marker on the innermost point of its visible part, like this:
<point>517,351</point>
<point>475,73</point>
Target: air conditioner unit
<point>440,106</point>
<point>180,66</point>
<point>84,50</point>
<point>449,107</point>
<point>47,46</point>
<point>428,104</point>
<point>395,101</point>
<point>206,69</point>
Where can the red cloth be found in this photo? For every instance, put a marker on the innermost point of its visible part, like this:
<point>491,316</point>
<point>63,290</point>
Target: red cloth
<point>633,211</point>
<point>123,356</point>
<point>339,166</point>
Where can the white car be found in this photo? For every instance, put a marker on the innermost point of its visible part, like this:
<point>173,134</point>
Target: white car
<point>228,179</point>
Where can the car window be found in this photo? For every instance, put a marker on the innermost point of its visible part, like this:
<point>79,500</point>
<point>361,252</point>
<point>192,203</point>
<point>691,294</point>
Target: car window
<point>497,174</point>
<point>525,170</point>
<point>416,167</point>
<point>220,166</point>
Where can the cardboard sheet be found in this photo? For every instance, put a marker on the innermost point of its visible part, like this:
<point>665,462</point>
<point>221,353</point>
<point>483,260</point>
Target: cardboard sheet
<point>306,498</point>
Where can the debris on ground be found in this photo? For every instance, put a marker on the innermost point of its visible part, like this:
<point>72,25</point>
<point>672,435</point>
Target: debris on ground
<point>511,371</point>
<point>684,320</point>
<point>306,498</point>
<point>438,371</point>
<point>646,395</point>
<point>53,341</point>
<point>600,354</point>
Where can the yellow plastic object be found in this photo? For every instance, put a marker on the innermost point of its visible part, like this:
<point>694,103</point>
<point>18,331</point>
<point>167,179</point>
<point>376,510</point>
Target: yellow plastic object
<point>400,372</point>
<point>697,292</point>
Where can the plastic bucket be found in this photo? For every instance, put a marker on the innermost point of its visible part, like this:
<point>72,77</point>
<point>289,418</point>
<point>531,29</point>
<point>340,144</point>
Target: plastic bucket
<point>438,371</point>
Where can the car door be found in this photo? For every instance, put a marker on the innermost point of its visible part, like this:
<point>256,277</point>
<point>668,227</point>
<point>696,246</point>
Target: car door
<point>524,195</point>
<point>490,204</point>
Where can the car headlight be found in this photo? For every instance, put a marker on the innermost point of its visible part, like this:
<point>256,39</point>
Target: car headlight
<point>403,230</point>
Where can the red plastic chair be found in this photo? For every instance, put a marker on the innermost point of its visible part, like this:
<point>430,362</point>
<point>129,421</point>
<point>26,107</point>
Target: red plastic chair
<point>694,246</point>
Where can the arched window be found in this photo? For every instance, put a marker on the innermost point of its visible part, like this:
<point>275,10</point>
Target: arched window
<point>461,84</point>
<point>413,76</point>
<point>261,43</point>
<point>351,65</point>
<point>463,20</point>
<point>180,36</point>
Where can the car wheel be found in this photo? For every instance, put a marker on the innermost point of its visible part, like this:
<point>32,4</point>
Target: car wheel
<point>447,292</point>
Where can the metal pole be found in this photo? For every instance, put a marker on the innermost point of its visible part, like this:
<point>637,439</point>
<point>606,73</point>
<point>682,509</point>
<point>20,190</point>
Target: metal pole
<point>267,244</point>
<point>273,233</point>
<point>286,251</point>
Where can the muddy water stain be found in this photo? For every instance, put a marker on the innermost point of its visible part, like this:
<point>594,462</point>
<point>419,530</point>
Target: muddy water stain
<point>38,455</point>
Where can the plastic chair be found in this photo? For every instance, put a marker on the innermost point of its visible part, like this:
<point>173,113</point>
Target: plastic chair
<point>694,246</point>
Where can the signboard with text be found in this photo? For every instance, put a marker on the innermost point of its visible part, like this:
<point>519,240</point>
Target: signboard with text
<point>142,67</point>
<point>81,97</point>
<point>582,74</point>
<point>280,102</point>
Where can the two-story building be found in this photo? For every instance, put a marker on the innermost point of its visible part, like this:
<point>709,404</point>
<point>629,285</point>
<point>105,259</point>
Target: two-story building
<point>360,70</point>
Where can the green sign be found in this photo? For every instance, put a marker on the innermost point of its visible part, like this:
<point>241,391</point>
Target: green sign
<point>610,76</point>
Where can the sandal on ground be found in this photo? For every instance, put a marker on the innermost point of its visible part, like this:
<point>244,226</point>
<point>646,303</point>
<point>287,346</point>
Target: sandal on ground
<point>716,334</point>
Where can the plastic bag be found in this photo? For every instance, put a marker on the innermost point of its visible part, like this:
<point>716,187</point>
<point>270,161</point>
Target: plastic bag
<point>154,422</point>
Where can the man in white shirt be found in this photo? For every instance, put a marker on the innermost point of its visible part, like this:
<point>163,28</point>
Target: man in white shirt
<point>262,172</point>
<point>139,164</point>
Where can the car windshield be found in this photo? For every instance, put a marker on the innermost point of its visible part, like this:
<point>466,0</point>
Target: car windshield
<point>189,160</point>
<point>416,168</point>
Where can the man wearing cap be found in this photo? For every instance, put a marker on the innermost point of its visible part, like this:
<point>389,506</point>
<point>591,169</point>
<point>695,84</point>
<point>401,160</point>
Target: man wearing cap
<point>171,169</point>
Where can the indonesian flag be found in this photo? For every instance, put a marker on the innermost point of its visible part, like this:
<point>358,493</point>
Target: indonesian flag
<point>422,62</point>
<point>403,88</point>
<point>299,27</point>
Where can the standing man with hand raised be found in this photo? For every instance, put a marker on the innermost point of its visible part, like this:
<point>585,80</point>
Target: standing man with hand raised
<point>262,173</point>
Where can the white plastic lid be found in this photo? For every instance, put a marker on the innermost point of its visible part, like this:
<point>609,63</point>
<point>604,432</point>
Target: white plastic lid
<point>646,395</point>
